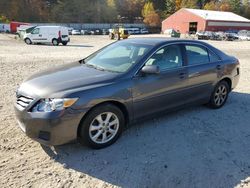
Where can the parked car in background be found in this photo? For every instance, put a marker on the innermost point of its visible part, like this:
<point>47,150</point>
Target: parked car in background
<point>47,34</point>
<point>203,35</point>
<point>144,31</point>
<point>95,98</point>
<point>244,32</point>
<point>231,36</point>
<point>244,35</point>
<point>172,33</point>
<point>85,32</point>
<point>76,32</point>
<point>4,28</point>
<point>133,31</point>
<point>105,31</point>
<point>219,35</point>
<point>70,29</point>
<point>98,32</point>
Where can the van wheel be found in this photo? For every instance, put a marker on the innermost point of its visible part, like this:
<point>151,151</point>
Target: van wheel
<point>55,42</point>
<point>64,43</point>
<point>219,95</point>
<point>27,41</point>
<point>102,126</point>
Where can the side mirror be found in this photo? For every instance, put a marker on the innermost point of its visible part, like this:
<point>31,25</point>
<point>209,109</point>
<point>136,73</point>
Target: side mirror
<point>150,69</point>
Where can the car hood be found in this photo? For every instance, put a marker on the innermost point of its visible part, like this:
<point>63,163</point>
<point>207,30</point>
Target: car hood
<point>64,78</point>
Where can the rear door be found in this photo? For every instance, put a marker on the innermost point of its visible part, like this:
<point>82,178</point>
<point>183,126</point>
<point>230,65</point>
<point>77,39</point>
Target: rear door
<point>35,35</point>
<point>203,69</point>
<point>156,92</point>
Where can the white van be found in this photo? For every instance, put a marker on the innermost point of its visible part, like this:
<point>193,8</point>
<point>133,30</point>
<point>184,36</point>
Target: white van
<point>48,34</point>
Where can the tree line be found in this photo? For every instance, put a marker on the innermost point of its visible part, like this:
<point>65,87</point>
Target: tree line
<point>151,12</point>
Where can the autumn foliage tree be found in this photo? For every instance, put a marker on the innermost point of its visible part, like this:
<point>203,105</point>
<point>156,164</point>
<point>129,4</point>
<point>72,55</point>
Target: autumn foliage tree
<point>151,12</point>
<point>151,18</point>
<point>212,5</point>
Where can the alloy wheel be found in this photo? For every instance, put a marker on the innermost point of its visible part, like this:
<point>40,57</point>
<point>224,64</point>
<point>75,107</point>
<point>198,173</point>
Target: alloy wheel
<point>220,95</point>
<point>104,128</point>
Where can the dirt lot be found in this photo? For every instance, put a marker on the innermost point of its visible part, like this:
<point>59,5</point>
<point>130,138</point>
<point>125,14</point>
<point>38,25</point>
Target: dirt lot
<point>194,147</point>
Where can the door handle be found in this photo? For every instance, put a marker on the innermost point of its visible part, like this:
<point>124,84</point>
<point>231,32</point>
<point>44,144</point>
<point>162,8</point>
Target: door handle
<point>218,67</point>
<point>40,35</point>
<point>182,75</point>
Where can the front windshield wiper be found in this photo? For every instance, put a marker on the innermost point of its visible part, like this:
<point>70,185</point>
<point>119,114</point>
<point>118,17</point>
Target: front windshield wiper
<point>95,67</point>
<point>100,68</point>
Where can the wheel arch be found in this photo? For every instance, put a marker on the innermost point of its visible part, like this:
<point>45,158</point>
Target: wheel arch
<point>229,82</point>
<point>118,104</point>
<point>54,39</point>
<point>27,38</point>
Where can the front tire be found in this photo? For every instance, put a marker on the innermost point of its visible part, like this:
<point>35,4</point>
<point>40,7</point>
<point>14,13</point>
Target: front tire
<point>219,95</point>
<point>102,126</point>
<point>28,41</point>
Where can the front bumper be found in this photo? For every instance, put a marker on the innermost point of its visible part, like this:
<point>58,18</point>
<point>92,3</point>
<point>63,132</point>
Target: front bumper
<point>52,128</point>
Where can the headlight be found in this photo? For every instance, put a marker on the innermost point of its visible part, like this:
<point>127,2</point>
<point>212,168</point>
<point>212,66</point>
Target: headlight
<point>49,105</point>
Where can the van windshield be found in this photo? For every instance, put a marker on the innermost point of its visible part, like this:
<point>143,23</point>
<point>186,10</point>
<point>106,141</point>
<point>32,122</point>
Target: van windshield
<point>118,57</point>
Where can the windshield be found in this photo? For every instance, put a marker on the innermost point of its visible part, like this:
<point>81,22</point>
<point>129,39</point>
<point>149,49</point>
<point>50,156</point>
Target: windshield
<point>118,57</point>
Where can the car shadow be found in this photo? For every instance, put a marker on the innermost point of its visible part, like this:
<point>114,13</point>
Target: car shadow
<point>194,147</point>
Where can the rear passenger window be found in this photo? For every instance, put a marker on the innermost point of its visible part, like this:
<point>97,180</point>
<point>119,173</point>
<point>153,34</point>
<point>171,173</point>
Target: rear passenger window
<point>213,57</point>
<point>196,55</point>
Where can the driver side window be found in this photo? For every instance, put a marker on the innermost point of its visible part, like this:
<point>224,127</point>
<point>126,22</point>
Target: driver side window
<point>168,57</point>
<point>35,31</point>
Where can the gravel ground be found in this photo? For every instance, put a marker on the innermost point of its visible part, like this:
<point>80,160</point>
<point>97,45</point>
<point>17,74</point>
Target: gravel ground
<point>194,147</point>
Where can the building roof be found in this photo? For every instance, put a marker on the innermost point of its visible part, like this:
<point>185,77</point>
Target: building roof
<point>217,15</point>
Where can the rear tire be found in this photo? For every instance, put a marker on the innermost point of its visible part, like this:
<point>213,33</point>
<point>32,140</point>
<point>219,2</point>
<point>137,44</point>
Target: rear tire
<point>55,42</point>
<point>28,41</point>
<point>64,43</point>
<point>102,126</point>
<point>219,95</point>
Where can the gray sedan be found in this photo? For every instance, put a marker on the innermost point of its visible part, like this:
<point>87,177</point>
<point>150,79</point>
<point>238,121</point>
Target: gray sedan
<point>94,99</point>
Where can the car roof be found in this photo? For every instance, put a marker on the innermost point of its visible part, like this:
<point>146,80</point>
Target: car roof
<point>155,41</point>
<point>159,41</point>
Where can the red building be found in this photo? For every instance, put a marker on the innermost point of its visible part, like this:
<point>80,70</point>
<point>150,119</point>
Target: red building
<point>192,20</point>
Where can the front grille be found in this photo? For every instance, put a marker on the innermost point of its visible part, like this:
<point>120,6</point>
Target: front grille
<point>23,101</point>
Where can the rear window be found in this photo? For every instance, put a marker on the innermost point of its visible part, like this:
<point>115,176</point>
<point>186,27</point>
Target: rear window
<point>196,55</point>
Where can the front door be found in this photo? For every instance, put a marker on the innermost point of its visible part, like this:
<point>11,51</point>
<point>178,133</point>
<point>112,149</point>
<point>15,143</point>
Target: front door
<point>156,92</point>
<point>37,35</point>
